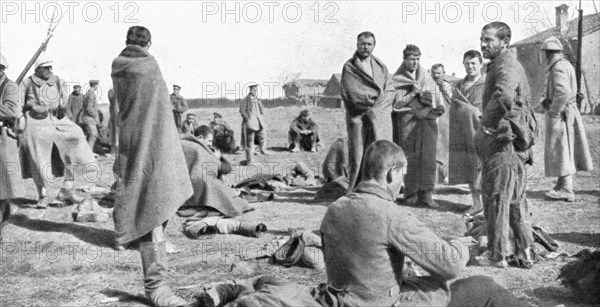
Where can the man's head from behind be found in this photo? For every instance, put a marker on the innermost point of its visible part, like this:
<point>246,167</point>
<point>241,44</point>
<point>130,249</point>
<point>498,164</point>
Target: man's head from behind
<point>205,134</point>
<point>139,36</point>
<point>384,163</point>
<point>365,43</point>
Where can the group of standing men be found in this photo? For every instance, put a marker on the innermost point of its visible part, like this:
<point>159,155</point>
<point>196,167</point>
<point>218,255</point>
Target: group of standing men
<point>482,128</point>
<point>406,108</point>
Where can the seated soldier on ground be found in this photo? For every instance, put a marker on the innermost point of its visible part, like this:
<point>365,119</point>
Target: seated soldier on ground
<point>304,133</point>
<point>189,124</point>
<point>223,135</point>
<point>212,198</point>
<point>366,237</point>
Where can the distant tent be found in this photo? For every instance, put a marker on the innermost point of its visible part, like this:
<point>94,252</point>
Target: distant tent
<point>331,96</point>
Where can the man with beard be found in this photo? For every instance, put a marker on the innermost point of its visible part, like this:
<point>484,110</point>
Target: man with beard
<point>465,110</point>
<point>50,139</point>
<point>11,183</point>
<point>566,148</point>
<point>416,111</point>
<point>503,144</point>
<point>367,92</point>
<point>154,180</point>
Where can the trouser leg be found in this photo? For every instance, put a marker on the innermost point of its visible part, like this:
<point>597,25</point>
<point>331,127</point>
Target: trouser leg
<point>91,135</point>
<point>481,291</point>
<point>477,201</point>
<point>355,149</point>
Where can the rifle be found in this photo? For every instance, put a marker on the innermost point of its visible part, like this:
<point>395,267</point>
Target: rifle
<point>42,47</point>
<point>578,63</point>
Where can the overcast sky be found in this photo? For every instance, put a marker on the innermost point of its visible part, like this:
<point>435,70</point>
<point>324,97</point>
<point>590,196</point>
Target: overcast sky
<point>214,48</point>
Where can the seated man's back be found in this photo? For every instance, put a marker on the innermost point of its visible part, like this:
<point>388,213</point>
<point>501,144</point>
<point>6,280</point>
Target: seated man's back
<point>365,239</point>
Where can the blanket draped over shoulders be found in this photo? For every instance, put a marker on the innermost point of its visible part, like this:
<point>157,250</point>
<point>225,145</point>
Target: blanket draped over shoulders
<point>155,180</point>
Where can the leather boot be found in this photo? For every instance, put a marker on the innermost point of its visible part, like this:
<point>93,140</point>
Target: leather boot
<point>154,264</point>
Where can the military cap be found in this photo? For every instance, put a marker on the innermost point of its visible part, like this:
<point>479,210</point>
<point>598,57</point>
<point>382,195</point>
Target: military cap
<point>252,84</point>
<point>76,86</point>
<point>175,86</point>
<point>191,115</point>
<point>94,82</point>
<point>552,43</point>
<point>304,113</point>
<point>43,61</point>
<point>3,61</point>
<point>217,115</point>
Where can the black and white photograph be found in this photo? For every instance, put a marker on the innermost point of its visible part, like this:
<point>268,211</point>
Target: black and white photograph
<point>300,153</point>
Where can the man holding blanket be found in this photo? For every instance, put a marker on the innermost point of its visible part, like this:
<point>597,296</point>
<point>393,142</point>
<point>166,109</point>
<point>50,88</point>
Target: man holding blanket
<point>367,92</point>
<point>416,110</point>
<point>150,163</point>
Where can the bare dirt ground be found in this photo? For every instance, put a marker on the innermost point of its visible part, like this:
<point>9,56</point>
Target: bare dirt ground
<point>49,260</point>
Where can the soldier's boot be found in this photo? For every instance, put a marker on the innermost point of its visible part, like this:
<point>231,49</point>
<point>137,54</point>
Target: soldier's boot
<point>154,264</point>
<point>67,195</point>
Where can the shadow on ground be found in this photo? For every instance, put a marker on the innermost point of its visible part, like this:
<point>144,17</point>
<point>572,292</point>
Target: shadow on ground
<point>97,236</point>
<point>583,239</point>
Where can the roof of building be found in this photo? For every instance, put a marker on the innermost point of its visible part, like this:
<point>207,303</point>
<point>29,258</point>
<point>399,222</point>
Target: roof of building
<point>591,23</point>
<point>303,83</point>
